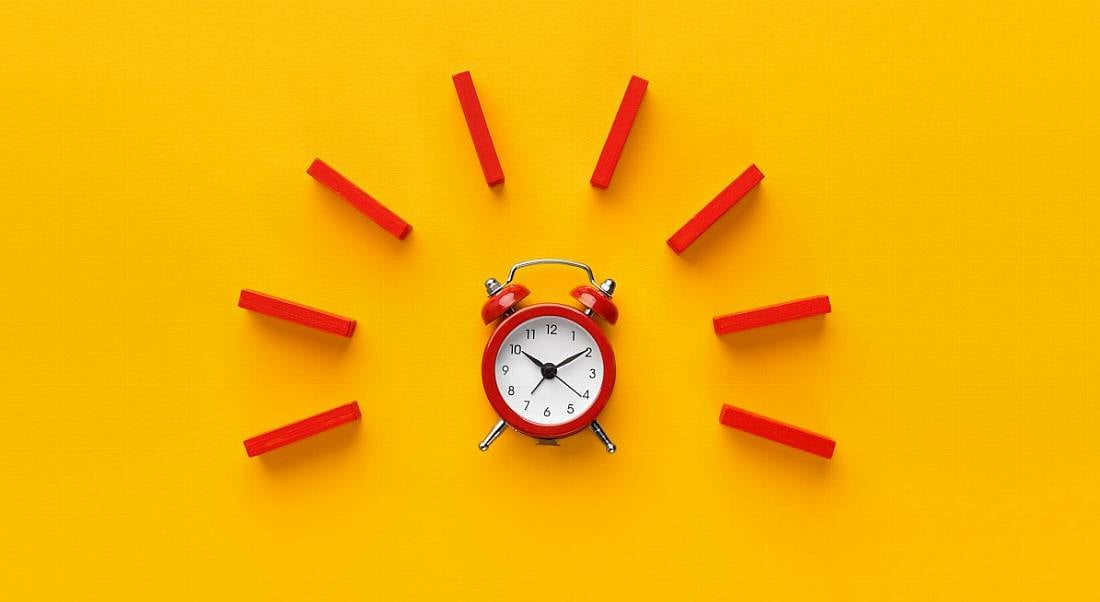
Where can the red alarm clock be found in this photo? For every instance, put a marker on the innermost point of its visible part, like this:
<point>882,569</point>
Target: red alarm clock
<point>548,369</point>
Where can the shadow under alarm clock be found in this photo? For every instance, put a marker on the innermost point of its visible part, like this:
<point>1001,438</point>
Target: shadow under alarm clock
<point>548,369</point>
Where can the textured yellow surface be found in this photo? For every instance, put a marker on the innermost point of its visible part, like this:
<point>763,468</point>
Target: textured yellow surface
<point>930,166</point>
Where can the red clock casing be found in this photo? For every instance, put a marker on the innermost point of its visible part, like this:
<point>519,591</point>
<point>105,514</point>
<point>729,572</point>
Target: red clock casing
<point>488,370</point>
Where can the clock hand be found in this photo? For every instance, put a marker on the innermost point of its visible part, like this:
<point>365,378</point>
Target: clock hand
<point>530,357</point>
<point>541,380</point>
<point>543,368</point>
<point>573,357</point>
<point>567,384</point>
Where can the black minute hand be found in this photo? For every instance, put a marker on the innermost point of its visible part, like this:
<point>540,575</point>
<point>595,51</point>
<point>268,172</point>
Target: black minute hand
<point>573,357</point>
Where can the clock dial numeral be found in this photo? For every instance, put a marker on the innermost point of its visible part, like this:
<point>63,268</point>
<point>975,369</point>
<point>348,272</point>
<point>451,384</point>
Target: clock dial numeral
<point>529,333</point>
<point>574,335</point>
<point>592,373</point>
<point>546,412</point>
<point>551,329</point>
<point>526,404</point>
<point>504,369</point>
<point>569,409</point>
<point>511,390</point>
<point>515,349</point>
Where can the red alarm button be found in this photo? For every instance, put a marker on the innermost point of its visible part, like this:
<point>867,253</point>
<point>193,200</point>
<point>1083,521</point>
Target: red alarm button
<point>599,303</point>
<point>503,301</point>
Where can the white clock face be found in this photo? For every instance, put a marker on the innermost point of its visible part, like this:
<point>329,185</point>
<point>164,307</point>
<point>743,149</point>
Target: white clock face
<point>549,370</point>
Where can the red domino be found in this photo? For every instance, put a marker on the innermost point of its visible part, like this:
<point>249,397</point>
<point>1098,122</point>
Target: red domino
<point>620,129</point>
<point>479,130</point>
<point>777,431</point>
<point>715,209</point>
<point>377,212</point>
<point>295,312</point>
<point>772,314</point>
<point>261,444</point>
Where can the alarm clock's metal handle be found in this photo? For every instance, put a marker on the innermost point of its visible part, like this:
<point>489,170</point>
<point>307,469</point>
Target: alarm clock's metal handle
<point>551,260</point>
<point>607,287</point>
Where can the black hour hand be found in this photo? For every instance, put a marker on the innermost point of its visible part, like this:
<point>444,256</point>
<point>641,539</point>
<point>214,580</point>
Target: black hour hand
<point>533,360</point>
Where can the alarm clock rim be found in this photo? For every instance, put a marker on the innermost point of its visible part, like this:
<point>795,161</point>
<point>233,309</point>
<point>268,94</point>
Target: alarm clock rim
<point>488,370</point>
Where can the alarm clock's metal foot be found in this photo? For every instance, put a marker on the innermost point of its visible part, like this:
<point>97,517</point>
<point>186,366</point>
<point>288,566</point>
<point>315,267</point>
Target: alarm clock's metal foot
<point>596,428</point>
<point>492,436</point>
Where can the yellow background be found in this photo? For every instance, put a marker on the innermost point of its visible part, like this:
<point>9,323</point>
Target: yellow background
<point>930,166</point>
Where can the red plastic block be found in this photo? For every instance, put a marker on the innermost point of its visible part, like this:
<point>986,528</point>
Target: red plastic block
<point>715,209</point>
<point>620,129</point>
<point>377,212</point>
<point>296,312</point>
<point>261,444</point>
<point>772,314</point>
<point>479,130</point>
<point>777,431</point>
